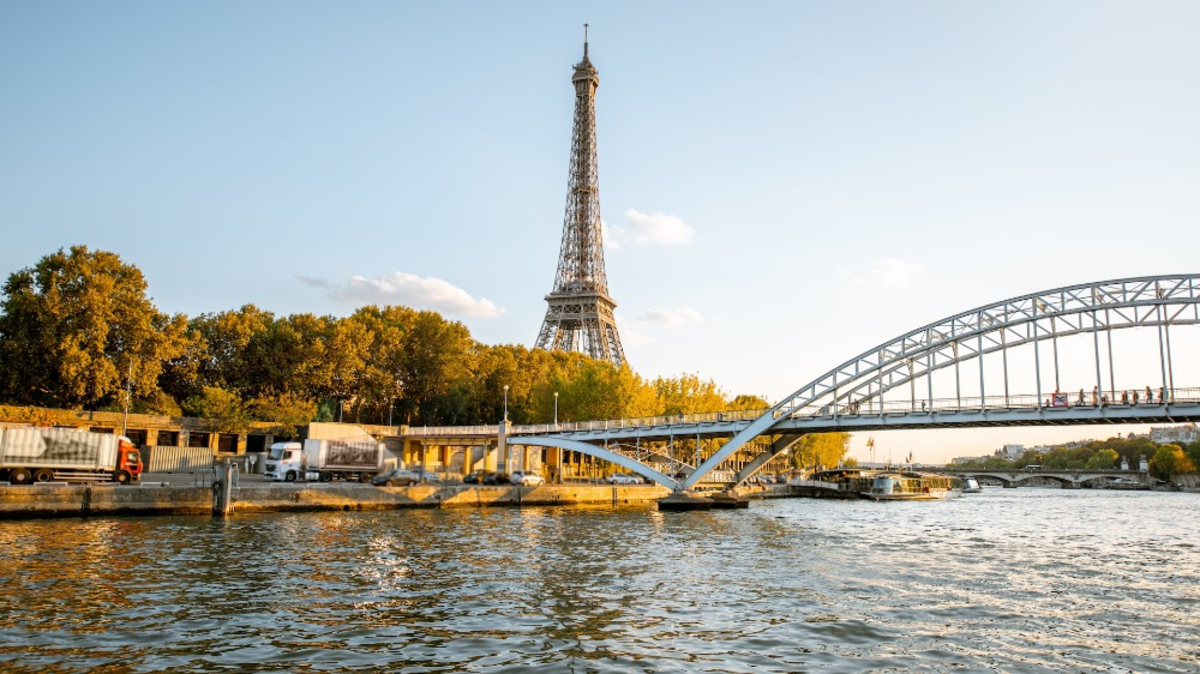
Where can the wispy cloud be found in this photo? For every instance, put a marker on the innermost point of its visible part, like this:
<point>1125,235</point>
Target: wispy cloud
<point>640,329</point>
<point>313,282</point>
<point>893,273</point>
<point>409,290</point>
<point>888,272</point>
<point>641,229</point>
<point>676,316</point>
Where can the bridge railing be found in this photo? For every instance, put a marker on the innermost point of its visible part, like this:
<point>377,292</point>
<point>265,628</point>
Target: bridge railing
<point>1058,400</point>
<point>866,407</point>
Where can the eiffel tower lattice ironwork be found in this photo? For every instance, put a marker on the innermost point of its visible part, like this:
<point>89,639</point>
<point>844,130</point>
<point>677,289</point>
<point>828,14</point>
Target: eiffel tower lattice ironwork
<point>580,312</point>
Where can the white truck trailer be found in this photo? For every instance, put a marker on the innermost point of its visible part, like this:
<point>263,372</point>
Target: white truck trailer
<point>30,454</point>
<point>325,460</point>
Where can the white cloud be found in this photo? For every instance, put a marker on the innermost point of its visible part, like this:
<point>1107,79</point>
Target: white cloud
<point>312,281</point>
<point>894,273</point>
<point>651,321</point>
<point>676,316</point>
<point>642,229</point>
<point>888,272</point>
<point>630,337</point>
<point>850,277</point>
<point>409,290</point>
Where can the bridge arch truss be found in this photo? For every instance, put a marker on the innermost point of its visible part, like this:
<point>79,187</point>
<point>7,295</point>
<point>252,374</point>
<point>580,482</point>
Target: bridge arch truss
<point>898,376</point>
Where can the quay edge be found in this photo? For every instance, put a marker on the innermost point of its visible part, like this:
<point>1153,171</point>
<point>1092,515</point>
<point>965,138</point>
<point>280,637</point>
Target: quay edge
<point>151,498</point>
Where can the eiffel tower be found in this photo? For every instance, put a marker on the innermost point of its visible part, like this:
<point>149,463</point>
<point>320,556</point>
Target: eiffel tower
<point>580,312</point>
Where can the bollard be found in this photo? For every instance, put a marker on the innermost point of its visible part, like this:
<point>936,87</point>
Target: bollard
<point>223,490</point>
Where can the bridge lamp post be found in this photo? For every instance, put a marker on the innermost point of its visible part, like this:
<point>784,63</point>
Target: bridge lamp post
<point>556,409</point>
<point>504,431</point>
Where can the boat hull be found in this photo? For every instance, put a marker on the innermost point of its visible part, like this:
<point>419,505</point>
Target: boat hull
<point>922,496</point>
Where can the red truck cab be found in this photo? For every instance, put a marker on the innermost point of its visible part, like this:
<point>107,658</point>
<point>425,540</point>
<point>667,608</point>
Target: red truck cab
<point>129,462</point>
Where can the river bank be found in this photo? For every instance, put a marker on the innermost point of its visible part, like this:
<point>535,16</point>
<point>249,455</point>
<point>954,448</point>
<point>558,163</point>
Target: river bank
<point>184,495</point>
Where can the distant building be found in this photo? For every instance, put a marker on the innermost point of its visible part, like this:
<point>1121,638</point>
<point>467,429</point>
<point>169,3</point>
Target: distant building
<point>1011,451</point>
<point>968,459</point>
<point>1178,435</point>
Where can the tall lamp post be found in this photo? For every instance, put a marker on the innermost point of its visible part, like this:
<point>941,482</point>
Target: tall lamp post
<point>556,409</point>
<point>504,429</point>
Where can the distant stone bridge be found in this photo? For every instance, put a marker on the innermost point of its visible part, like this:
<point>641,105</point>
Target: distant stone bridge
<point>1069,479</point>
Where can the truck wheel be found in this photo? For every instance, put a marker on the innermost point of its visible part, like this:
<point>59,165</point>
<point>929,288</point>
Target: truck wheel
<point>43,475</point>
<point>365,477</point>
<point>20,476</point>
<point>290,477</point>
<point>122,477</point>
<point>326,476</point>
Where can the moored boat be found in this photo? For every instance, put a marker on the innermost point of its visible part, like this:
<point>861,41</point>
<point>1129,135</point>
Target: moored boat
<point>912,486</point>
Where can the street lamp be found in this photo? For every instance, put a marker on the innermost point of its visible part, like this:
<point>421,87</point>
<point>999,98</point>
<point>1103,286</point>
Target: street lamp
<point>506,402</point>
<point>556,409</point>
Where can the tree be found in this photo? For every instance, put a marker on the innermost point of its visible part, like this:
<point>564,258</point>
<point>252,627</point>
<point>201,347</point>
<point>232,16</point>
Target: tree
<point>224,409</point>
<point>288,411</point>
<point>78,327</point>
<point>1103,459</point>
<point>1170,461</point>
<point>820,449</point>
<point>688,394</point>
<point>435,357</point>
<point>227,360</point>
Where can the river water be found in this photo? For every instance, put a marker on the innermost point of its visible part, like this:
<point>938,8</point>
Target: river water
<point>1010,580</point>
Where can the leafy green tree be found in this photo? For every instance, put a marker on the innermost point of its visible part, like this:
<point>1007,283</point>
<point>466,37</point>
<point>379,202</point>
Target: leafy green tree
<point>434,357</point>
<point>1103,459</point>
<point>1170,461</point>
<point>77,328</point>
<point>819,449</point>
<point>381,381</point>
<point>227,360</point>
<point>749,403</point>
<point>1193,452</point>
<point>288,411</point>
<point>225,410</point>
<point>689,394</point>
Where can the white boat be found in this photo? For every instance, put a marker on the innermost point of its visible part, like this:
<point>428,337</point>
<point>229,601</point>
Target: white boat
<point>971,486</point>
<point>912,486</point>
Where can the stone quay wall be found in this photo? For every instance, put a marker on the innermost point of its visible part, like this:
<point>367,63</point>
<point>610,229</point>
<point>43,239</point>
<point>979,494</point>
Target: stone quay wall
<point>149,498</point>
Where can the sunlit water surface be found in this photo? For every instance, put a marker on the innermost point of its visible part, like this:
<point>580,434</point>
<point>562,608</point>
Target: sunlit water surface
<point>1024,580</point>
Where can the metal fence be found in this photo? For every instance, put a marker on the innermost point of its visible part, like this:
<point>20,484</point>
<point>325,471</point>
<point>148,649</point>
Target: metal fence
<point>169,459</point>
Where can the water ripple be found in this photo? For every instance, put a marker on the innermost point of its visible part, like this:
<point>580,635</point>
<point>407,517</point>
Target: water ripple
<point>1004,581</point>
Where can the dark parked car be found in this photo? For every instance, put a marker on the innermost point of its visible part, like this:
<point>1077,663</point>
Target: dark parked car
<point>496,478</point>
<point>425,475</point>
<point>475,477</point>
<point>397,477</point>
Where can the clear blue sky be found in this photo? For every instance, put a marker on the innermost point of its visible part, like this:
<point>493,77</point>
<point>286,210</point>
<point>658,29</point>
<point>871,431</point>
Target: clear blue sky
<point>785,184</point>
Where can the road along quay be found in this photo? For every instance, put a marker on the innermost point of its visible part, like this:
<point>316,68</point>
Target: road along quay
<point>181,495</point>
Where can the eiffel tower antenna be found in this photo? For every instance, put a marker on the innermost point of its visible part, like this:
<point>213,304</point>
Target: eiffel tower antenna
<point>580,312</point>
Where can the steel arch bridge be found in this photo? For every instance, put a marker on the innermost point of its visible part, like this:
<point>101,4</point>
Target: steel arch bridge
<point>916,381</point>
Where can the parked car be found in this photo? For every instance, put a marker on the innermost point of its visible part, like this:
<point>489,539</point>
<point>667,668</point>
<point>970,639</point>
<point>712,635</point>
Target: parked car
<point>624,478</point>
<point>475,477</point>
<point>425,475</point>
<point>495,478</point>
<point>527,479</point>
<point>397,477</point>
